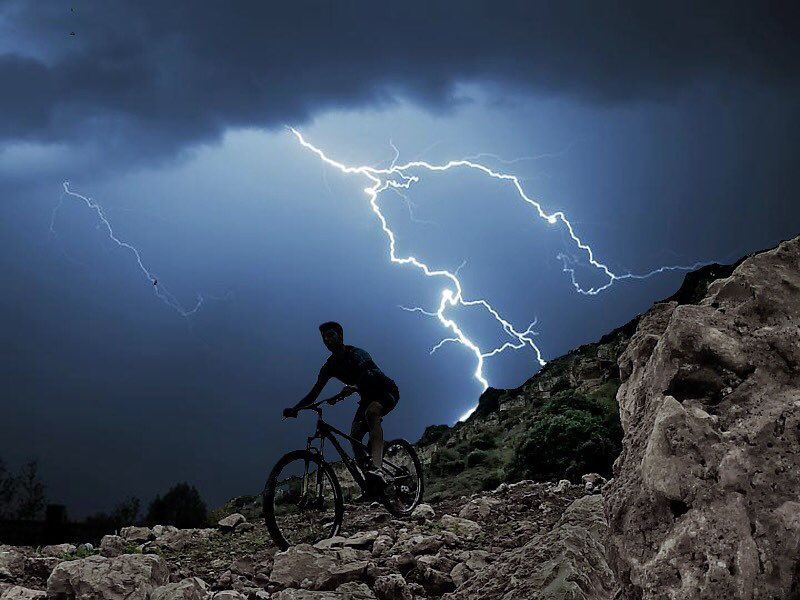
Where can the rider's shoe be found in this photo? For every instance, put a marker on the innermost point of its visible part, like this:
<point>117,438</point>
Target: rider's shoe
<point>376,482</point>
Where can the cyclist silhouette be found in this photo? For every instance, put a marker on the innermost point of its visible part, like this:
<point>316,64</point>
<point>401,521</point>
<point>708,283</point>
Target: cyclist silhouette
<point>379,394</point>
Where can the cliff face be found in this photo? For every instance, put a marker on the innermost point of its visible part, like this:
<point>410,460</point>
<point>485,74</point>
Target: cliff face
<point>705,500</point>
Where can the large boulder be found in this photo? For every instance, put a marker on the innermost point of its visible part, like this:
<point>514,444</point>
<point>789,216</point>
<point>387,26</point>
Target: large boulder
<point>567,562</point>
<point>705,500</point>
<point>126,577</point>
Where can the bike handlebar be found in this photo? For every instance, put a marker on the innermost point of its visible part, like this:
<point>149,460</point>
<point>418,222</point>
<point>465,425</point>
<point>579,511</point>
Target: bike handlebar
<point>316,406</point>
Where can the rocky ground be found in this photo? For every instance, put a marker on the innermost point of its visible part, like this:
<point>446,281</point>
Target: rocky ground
<point>525,540</point>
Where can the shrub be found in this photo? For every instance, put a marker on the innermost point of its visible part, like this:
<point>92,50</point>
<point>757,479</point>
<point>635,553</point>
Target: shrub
<point>446,461</point>
<point>485,440</point>
<point>124,514</point>
<point>491,480</point>
<point>477,457</point>
<point>181,506</point>
<point>572,436</point>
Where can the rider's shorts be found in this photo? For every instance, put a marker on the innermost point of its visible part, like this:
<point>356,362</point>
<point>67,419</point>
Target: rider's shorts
<point>377,387</point>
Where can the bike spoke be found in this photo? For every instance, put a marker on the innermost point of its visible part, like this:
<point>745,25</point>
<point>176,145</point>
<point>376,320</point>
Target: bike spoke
<point>304,503</point>
<point>404,488</point>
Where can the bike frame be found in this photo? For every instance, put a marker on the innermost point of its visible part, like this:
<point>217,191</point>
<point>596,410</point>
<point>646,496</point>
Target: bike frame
<point>326,431</point>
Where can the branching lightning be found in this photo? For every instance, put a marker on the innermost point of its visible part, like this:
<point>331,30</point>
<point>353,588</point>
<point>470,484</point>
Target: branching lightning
<point>158,288</point>
<point>400,177</point>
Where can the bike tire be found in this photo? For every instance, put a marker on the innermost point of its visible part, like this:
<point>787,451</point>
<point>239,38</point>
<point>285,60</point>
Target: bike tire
<point>268,496</point>
<point>388,502</point>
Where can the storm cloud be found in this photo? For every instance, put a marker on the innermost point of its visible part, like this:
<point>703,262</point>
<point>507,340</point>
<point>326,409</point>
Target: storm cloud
<point>166,75</point>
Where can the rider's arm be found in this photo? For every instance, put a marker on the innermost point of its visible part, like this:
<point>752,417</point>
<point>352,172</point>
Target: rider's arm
<point>311,396</point>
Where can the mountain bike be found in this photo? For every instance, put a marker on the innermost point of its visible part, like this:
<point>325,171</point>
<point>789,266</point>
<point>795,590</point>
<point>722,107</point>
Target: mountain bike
<point>303,501</point>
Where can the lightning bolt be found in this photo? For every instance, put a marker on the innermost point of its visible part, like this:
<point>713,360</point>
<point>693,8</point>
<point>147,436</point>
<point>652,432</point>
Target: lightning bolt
<point>399,177</point>
<point>160,291</point>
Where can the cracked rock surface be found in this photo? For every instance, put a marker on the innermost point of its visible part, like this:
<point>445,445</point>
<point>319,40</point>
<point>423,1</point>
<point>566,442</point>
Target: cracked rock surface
<point>705,500</point>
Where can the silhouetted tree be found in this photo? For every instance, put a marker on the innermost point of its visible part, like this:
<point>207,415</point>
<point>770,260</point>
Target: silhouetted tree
<point>126,512</point>
<point>123,515</point>
<point>8,489</point>
<point>22,495</point>
<point>181,506</point>
<point>30,492</point>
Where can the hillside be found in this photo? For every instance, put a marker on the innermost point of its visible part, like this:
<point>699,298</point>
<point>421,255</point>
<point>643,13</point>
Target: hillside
<point>559,424</point>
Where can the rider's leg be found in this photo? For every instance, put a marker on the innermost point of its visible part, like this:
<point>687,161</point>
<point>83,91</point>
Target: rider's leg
<point>373,416</point>
<point>357,431</point>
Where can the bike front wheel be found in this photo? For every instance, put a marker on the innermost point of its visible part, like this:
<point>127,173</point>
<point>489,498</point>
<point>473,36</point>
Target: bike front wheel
<point>405,483</point>
<point>302,500</point>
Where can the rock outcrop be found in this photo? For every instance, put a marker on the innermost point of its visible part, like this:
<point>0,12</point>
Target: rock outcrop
<point>126,577</point>
<point>705,500</point>
<point>566,562</point>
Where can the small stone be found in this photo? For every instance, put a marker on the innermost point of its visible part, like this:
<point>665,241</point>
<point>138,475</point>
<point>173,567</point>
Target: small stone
<point>423,512</point>
<point>112,546</point>
<point>593,482</point>
<point>193,588</point>
<point>460,573</point>
<point>161,530</point>
<point>230,522</point>
<point>229,595</point>
<point>462,527</point>
<point>479,508</point>
<point>562,486</point>
<point>382,545</point>
<point>503,487</point>
<point>59,550</point>
<point>392,587</point>
<point>435,582</point>
<point>404,562</point>
<point>243,566</point>
<point>355,591</point>
<point>136,535</point>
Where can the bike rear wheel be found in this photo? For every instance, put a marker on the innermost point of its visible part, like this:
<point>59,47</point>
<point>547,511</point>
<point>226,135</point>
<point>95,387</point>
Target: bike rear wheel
<point>302,500</point>
<point>405,481</point>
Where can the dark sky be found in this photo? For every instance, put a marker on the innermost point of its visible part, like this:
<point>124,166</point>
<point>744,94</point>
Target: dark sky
<point>667,133</point>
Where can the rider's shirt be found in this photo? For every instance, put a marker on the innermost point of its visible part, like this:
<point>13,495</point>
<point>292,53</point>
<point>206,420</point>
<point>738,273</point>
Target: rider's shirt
<point>355,366</point>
